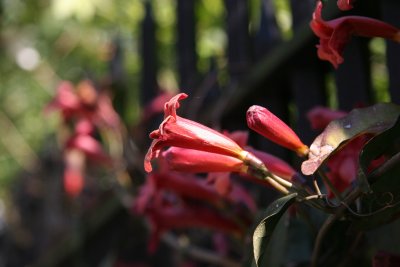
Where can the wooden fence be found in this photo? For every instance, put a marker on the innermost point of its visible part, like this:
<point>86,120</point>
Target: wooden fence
<point>267,70</point>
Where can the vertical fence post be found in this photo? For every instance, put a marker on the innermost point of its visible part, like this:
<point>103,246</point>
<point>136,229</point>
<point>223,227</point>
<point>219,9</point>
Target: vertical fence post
<point>187,57</point>
<point>116,79</point>
<point>238,37</point>
<point>273,95</point>
<point>148,88</point>
<point>149,64</point>
<point>268,33</point>
<point>353,77</point>
<point>390,14</point>
<point>237,23</point>
<point>307,77</point>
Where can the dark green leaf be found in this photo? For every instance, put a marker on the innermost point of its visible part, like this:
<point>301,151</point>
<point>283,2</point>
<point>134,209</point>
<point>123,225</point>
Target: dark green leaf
<point>263,232</point>
<point>382,204</point>
<point>373,120</point>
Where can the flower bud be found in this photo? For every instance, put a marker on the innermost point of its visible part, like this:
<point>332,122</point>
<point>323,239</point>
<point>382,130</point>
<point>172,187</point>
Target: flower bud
<point>268,125</point>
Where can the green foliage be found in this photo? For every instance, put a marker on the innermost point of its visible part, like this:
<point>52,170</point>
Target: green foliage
<point>263,232</point>
<point>382,203</point>
<point>43,42</point>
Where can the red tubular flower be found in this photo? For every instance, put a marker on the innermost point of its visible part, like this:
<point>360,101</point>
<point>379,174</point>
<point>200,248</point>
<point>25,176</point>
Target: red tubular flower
<point>336,33</point>
<point>268,125</point>
<point>240,137</point>
<point>345,4</point>
<point>73,179</point>
<point>65,100</point>
<point>171,201</point>
<point>84,102</point>
<point>186,186</point>
<point>190,187</point>
<point>180,132</point>
<point>90,147</point>
<point>165,217</point>
<point>73,182</point>
<point>320,117</point>
<point>275,165</point>
<point>190,160</point>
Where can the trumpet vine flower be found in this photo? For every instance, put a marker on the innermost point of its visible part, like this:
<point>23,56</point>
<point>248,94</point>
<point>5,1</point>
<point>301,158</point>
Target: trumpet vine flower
<point>190,160</point>
<point>335,34</point>
<point>271,127</point>
<point>181,132</point>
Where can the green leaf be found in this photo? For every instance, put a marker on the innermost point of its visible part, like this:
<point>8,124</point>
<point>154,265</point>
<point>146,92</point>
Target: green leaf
<point>382,204</point>
<point>371,120</point>
<point>263,232</point>
<point>385,144</point>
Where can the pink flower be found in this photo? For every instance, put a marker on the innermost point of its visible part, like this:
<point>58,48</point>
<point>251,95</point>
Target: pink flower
<point>190,160</point>
<point>84,102</point>
<point>172,201</point>
<point>320,117</point>
<point>268,125</point>
<point>65,100</point>
<point>167,217</point>
<point>336,33</point>
<point>189,186</point>
<point>180,132</point>
<point>345,4</point>
<point>82,141</point>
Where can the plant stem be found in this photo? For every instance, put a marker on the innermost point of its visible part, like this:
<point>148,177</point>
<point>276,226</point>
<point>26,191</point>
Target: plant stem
<point>316,187</point>
<point>328,224</point>
<point>330,185</point>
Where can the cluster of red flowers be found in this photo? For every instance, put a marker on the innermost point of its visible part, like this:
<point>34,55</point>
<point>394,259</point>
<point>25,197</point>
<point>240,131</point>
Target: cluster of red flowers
<point>182,145</point>
<point>336,33</point>
<point>83,110</point>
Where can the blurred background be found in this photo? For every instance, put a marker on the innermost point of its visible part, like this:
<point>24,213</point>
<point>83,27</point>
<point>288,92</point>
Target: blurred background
<point>226,54</point>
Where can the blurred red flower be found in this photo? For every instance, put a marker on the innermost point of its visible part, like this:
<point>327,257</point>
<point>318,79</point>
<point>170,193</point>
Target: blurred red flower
<point>336,33</point>
<point>345,4</point>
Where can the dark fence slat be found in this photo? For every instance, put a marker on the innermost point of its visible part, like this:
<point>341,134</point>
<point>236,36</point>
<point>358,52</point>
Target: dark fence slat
<point>148,48</point>
<point>390,14</point>
<point>260,74</point>
<point>353,77</point>
<point>238,37</point>
<point>307,77</point>
<point>274,96</point>
<point>187,57</point>
<point>268,34</point>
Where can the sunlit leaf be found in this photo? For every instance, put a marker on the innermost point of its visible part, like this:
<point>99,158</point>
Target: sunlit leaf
<point>371,120</point>
<point>263,232</point>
